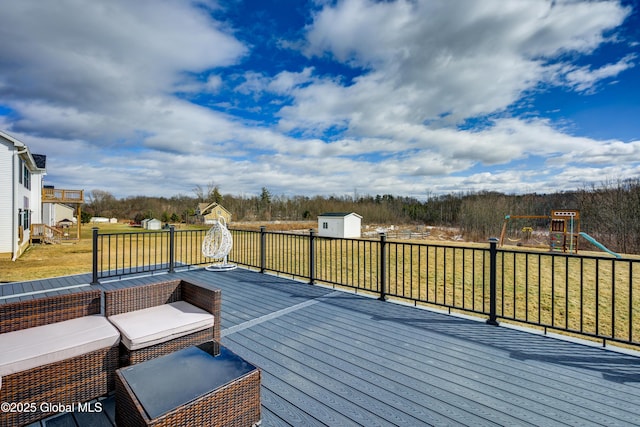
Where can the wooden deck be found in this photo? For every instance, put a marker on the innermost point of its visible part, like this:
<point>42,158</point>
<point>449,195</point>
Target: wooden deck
<point>339,359</point>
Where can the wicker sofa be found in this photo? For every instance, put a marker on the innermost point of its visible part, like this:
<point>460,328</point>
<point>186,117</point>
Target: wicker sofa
<point>55,349</point>
<point>161,318</point>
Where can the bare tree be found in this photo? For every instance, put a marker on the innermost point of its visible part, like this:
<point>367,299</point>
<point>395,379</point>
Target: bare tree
<point>210,194</point>
<point>199,193</point>
<point>102,202</point>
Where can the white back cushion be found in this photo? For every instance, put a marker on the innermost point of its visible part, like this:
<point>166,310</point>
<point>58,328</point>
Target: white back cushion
<point>155,325</point>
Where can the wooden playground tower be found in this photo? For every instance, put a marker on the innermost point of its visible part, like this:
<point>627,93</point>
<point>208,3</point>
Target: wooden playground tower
<point>564,229</point>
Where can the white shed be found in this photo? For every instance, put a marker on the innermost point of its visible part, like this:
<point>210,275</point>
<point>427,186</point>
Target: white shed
<point>339,224</point>
<point>99,220</point>
<point>153,224</point>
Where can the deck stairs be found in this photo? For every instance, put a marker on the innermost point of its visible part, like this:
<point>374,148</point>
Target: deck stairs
<point>42,233</point>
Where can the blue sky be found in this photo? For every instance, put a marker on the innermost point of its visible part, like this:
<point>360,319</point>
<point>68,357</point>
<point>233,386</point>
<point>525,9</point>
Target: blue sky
<point>411,98</point>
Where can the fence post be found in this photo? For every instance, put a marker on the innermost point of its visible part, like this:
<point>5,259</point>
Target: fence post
<point>263,249</point>
<point>94,256</point>
<point>312,256</point>
<point>383,267</point>
<point>172,248</point>
<point>493,294</point>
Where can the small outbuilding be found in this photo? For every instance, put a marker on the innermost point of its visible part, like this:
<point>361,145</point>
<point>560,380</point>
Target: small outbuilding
<point>339,224</point>
<point>99,220</point>
<point>65,223</point>
<point>151,224</point>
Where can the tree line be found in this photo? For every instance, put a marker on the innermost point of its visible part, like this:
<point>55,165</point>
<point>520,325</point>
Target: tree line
<point>609,212</point>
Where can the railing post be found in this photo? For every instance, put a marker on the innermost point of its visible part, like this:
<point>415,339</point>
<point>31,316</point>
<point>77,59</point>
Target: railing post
<point>493,294</point>
<point>263,249</point>
<point>172,248</point>
<point>94,256</point>
<point>312,256</point>
<point>383,267</point>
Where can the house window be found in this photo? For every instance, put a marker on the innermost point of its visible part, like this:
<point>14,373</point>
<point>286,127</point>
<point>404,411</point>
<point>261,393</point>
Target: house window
<point>26,177</point>
<point>325,225</point>
<point>20,169</point>
<point>25,218</point>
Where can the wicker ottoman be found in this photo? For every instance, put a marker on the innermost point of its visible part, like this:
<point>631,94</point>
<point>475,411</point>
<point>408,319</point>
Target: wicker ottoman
<point>205,385</point>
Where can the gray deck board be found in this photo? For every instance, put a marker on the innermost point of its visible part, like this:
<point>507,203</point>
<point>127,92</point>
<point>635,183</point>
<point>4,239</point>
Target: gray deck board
<point>65,420</point>
<point>463,378</point>
<point>96,419</point>
<point>395,382</point>
<point>339,359</point>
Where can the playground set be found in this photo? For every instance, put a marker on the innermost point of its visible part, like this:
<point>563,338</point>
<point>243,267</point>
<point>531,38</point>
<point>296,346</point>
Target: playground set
<point>564,230</point>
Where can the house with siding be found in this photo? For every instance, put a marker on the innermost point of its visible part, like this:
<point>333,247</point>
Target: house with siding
<point>210,213</point>
<point>54,213</point>
<point>339,224</point>
<point>21,180</point>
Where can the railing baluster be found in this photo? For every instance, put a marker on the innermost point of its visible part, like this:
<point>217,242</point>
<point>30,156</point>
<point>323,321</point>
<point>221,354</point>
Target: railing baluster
<point>613,299</point>
<point>566,293</point>
<point>597,299</point>
<point>383,267</point>
<point>493,254</point>
<point>630,303</point>
<point>263,250</point>
<point>312,257</point>
<point>172,249</point>
<point>94,256</point>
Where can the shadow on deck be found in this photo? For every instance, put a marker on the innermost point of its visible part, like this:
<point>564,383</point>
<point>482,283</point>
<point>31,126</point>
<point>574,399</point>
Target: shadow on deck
<point>339,359</point>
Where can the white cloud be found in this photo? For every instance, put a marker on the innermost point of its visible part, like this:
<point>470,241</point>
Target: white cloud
<point>583,79</point>
<point>459,59</point>
<point>99,87</point>
<point>285,81</point>
<point>87,61</point>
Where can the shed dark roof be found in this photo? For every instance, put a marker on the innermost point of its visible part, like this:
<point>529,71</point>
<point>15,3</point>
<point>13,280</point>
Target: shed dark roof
<point>41,160</point>
<point>337,214</point>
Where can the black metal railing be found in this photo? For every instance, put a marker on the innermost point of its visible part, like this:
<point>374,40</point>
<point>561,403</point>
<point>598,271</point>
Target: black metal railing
<point>592,296</point>
<point>121,254</point>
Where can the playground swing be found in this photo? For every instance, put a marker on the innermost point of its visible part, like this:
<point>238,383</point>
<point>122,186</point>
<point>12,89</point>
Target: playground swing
<point>521,230</point>
<point>526,236</point>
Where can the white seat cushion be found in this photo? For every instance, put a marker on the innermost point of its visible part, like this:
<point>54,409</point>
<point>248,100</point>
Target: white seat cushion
<point>41,345</point>
<point>155,325</point>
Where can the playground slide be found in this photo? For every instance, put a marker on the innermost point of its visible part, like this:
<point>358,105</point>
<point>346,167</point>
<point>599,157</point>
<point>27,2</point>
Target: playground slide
<point>598,244</point>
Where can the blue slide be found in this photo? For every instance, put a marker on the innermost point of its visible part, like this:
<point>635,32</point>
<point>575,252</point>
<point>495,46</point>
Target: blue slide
<point>599,245</point>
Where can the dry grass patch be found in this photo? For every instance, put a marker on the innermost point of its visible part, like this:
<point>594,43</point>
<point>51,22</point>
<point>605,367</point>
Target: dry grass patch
<point>42,261</point>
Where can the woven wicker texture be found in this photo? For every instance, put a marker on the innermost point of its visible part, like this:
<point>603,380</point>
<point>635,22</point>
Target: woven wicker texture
<point>67,382</point>
<point>140,297</point>
<point>236,404</point>
<point>43,311</point>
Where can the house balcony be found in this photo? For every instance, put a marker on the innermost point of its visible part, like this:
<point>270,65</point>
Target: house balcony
<point>56,195</point>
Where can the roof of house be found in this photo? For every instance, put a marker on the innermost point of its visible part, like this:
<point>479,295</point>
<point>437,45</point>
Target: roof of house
<point>205,207</point>
<point>37,160</point>
<point>340,214</point>
<point>41,160</point>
